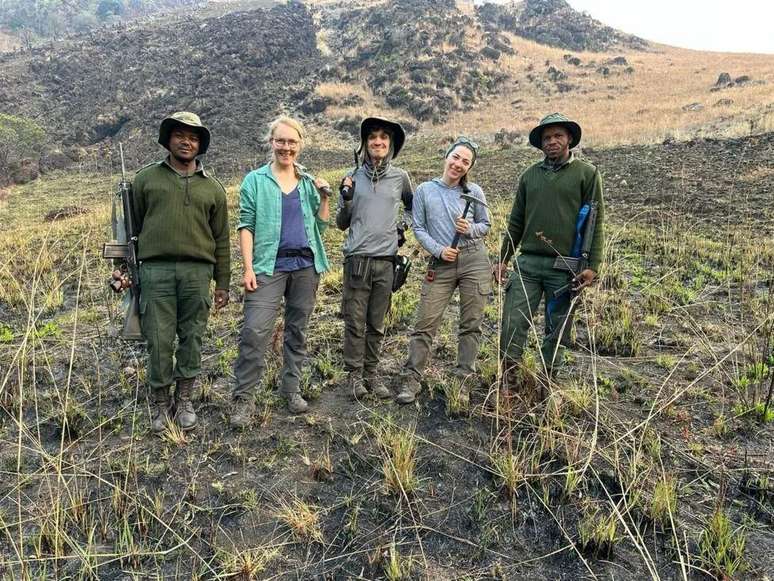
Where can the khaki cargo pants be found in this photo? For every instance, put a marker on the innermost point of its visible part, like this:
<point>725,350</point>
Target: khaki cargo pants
<point>471,272</point>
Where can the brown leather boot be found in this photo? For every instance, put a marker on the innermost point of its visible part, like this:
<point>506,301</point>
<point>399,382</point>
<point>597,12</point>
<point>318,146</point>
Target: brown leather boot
<point>185,416</point>
<point>161,405</point>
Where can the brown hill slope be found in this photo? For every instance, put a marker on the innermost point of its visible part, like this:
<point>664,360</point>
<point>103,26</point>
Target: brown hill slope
<point>438,65</point>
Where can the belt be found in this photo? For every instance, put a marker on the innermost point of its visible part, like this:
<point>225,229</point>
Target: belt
<point>475,245</point>
<point>389,258</point>
<point>295,253</point>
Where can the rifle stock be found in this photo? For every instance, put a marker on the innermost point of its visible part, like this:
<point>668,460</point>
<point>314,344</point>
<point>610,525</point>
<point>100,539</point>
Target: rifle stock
<point>122,250</point>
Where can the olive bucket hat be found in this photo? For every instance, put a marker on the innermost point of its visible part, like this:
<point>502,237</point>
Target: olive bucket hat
<point>185,119</point>
<point>369,124</point>
<point>535,136</point>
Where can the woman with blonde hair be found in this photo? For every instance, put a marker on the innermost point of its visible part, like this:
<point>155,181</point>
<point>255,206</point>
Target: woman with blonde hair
<point>283,211</point>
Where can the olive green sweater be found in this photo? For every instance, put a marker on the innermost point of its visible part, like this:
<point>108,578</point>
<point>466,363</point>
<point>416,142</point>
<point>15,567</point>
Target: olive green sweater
<point>546,207</point>
<point>182,218</point>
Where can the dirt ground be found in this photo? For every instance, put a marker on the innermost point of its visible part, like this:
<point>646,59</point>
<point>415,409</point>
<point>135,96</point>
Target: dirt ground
<point>671,357</point>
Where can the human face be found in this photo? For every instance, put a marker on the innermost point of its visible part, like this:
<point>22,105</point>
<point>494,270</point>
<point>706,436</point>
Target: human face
<point>184,144</point>
<point>457,164</point>
<point>378,144</point>
<point>555,142</point>
<point>286,144</point>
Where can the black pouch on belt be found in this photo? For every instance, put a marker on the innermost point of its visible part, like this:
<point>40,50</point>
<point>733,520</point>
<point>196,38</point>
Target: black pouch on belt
<point>401,267</point>
<point>357,267</point>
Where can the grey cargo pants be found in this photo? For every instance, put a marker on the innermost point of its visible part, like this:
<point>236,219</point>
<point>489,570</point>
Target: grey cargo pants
<point>367,294</point>
<point>471,272</point>
<point>261,308</point>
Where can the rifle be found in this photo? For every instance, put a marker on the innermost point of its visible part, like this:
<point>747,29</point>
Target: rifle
<point>122,250</point>
<point>579,261</point>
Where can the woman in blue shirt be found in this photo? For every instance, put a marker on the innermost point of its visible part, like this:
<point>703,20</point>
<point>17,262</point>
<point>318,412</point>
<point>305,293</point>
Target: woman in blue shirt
<point>282,214</point>
<point>438,217</point>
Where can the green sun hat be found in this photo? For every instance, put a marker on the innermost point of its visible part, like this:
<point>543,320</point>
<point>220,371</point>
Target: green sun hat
<point>535,136</point>
<point>186,119</point>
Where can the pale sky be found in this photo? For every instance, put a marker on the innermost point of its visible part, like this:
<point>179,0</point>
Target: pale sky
<point>719,25</point>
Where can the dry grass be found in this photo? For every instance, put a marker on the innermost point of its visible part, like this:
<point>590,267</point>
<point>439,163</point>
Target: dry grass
<point>645,106</point>
<point>371,106</point>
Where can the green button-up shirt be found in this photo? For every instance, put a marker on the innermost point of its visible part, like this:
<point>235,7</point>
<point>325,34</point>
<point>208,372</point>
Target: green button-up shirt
<point>260,211</point>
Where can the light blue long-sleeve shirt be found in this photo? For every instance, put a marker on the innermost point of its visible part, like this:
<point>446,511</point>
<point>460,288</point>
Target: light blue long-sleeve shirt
<point>437,206</point>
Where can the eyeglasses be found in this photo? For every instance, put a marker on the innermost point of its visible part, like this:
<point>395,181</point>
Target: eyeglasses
<point>291,143</point>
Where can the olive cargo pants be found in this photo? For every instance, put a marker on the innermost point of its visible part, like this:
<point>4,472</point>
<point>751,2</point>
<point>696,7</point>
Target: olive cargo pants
<point>367,294</point>
<point>472,273</point>
<point>174,301</point>
<point>534,277</point>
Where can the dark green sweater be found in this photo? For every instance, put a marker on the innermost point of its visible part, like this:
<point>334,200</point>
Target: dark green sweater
<point>182,218</point>
<point>546,207</point>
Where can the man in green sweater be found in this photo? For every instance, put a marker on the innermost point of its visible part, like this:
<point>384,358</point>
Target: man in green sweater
<point>542,226</point>
<point>181,219</point>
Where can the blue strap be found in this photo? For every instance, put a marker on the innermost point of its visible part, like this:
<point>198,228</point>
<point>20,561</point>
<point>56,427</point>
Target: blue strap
<point>580,221</point>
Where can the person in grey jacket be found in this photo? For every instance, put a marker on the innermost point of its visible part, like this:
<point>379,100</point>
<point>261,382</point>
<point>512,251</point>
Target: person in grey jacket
<point>369,207</point>
<point>438,217</point>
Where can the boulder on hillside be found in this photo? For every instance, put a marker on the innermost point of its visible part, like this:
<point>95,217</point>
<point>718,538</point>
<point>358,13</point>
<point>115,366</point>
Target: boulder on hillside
<point>490,53</point>
<point>724,79</point>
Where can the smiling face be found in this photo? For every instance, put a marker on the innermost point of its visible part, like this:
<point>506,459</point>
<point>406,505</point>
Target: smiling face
<point>184,144</point>
<point>555,142</point>
<point>286,144</point>
<point>378,144</point>
<point>457,164</point>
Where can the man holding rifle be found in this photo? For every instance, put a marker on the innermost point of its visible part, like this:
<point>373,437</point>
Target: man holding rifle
<point>182,244</point>
<point>557,223</point>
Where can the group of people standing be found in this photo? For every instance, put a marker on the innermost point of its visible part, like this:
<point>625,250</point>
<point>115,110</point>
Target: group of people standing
<point>183,244</point>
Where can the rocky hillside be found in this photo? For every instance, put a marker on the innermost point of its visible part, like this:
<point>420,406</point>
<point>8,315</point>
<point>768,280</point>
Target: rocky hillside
<point>36,21</point>
<point>555,23</point>
<point>417,55</point>
<point>332,62</point>
<point>117,83</point>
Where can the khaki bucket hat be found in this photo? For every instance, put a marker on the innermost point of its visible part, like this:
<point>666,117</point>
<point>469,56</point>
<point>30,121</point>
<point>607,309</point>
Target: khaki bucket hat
<point>535,136</point>
<point>186,119</point>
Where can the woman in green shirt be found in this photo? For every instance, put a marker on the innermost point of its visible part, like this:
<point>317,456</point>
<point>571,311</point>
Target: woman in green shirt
<point>282,213</point>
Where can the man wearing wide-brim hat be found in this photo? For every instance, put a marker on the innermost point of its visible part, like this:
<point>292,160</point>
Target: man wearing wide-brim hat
<point>370,203</point>
<point>183,244</point>
<point>542,226</point>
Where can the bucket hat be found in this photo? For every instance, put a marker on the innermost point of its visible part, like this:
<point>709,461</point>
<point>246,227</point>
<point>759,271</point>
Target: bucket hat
<point>392,127</point>
<point>535,136</point>
<point>186,119</point>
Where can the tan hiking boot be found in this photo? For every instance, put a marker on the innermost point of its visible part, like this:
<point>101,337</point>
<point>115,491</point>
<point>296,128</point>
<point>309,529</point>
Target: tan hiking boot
<point>185,416</point>
<point>376,385</point>
<point>355,384</point>
<point>410,389</point>
<point>296,403</point>
<point>242,412</point>
<point>161,406</point>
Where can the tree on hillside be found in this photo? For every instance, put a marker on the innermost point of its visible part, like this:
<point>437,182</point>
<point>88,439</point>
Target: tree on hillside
<point>20,139</point>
